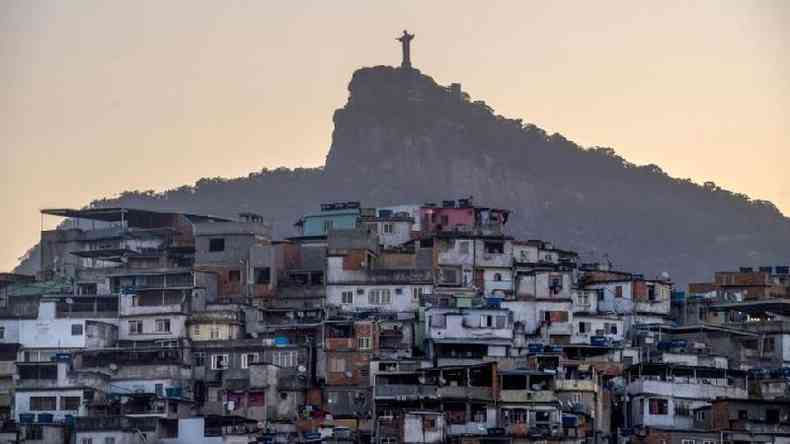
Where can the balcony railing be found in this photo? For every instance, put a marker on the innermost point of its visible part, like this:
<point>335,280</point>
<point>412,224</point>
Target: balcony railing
<point>527,396</point>
<point>460,392</point>
<point>405,391</point>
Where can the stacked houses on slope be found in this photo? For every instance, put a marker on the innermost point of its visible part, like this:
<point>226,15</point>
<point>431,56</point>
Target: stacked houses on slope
<point>410,324</point>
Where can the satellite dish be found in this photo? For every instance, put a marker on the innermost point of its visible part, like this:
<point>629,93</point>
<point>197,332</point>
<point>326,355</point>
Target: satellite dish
<point>301,369</point>
<point>349,374</point>
<point>665,275</point>
<point>113,367</point>
<point>230,405</point>
<point>69,301</point>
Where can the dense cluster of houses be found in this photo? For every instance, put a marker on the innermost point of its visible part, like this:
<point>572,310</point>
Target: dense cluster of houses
<point>410,324</point>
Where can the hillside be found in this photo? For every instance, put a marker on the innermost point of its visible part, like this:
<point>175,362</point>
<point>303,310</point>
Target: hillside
<point>402,138</point>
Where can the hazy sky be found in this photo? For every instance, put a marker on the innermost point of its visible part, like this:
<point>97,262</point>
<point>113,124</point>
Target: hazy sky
<point>100,97</point>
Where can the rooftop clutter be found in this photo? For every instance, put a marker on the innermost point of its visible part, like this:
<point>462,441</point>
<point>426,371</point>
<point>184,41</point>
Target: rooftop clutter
<point>404,324</point>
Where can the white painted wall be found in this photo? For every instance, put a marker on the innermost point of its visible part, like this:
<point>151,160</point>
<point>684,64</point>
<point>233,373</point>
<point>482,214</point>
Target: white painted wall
<point>400,302</point>
<point>401,233</point>
<point>177,328</point>
<point>22,402</point>
<point>11,334</point>
<point>596,323</point>
<point>466,325</point>
<point>49,332</point>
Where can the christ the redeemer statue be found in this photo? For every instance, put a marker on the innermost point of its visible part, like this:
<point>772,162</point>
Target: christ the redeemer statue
<point>405,41</point>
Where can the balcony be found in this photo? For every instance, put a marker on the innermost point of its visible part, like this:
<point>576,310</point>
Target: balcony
<point>459,392</point>
<point>405,391</point>
<point>469,428</point>
<point>383,276</point>
<point>559,328</point>
<point>575,385</point>
<point>38,375</point>
<point>115,423</point>
<point>149,304</point>
<point>527,396</point>
<point>686,390</point>
<point>536,431</point>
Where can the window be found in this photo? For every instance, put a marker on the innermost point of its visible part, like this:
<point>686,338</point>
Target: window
<point>497,277</point>
<point>708,441</point>
<point>214,332</point>
<point>70,402</point>
<point>216,245</point>
<point>234,276</point>
<point>263,275</point>
<point>486,321</point>
<point>501,322</point>
<point>682,407</point>
<point>379,296</point>
<point>76,329</point>
<point>87,441</point>
<point>416,294</point>
<point>337,365</point>
<point>599,293</point>
<point>347,297</point>
<point>247,359</point>
<point>159,389</point>
<point>618,291</point>
<point>444,219</point>
<point>494,247</point>
<point>651,293</point>
<point>463,247</point>
<point>687,441</point>
<point>200,359</point>
<point>364,342</point>
<point>428,424</point>
<point>743,415</point>
<point>328,225</point>
<point>40,403</point>
<point>555,284</point>
<point>398,291</point>
<point>584,327</point>
<point>196,330</point>
<point>388,229</point>
<point>163,325</point>
<point>285,358</point>
<point>135,327</point>
<point>768,345</point>
<point>659,406</point>
<point>772,416</point>
<point>2,332</point>
<point>109,440</point>
<point>219,362</point>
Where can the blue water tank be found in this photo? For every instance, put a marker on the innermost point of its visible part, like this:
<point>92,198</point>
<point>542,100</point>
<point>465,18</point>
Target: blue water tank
<point>46,418</point>
<point>535,348</point>
<point>569,421</point>
<point>27,418</point>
